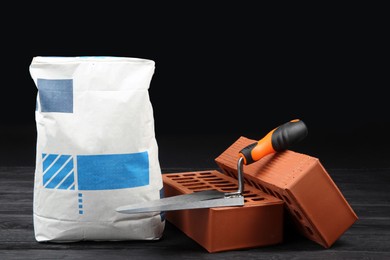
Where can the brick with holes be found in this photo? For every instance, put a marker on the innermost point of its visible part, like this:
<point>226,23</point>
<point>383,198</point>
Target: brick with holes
<point>313,201</point>
<point>258,223</point>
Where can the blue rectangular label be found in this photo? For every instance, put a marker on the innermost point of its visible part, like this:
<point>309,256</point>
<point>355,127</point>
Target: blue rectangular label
<point>55,95</point>
<point>112,171</point>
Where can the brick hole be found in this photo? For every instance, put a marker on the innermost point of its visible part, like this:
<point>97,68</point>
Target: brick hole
<point>226,185</point>
<point>221,181</point>
<point>181,178</point>
<point>207,177</point>
<point>207,180</point>
<point>192,184</point>
<point>205,173</point>
<point>309,230</point>
<point>286,199</point>
<point>172,176</point>
<point>258,199</point>
<point>298,214</point>
<point>256,185</point>
<point>252,183</point>
<point>212,178</point>
<point>278,195</point>
<point>189,174</point>
<point>246,192</point>
<point>205,187</point>
<point>265,190</point>
<point>270,192</point>
<point>188,181</point>
<point>261,187</point>
<point>246,180</point>
<point>250,195</point>
<point>229,173</point>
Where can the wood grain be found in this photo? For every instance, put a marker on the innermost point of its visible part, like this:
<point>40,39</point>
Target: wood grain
<point>367,191</point>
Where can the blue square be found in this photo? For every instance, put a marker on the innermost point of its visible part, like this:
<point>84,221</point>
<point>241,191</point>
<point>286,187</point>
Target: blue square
<point>56,95</point>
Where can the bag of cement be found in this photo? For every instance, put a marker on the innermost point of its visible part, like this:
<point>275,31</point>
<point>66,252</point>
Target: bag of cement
<point>96,149</point>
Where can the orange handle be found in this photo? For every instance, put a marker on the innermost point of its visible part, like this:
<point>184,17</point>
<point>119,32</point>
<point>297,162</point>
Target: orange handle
<point>276,140</point>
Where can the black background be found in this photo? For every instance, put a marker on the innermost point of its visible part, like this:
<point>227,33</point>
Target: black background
<point>222,71</point>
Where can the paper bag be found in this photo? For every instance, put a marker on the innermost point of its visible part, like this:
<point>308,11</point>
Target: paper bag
<point>96,149</point>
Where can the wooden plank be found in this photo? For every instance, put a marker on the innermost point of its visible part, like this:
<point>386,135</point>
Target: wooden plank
<point>186,253</point>
<point>366,190</point>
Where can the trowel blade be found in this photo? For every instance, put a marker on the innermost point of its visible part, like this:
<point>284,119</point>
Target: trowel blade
<point>196,200</point>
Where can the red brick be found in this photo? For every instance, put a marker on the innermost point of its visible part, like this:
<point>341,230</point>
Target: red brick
<point>313,201</point>
<point>258,223</point>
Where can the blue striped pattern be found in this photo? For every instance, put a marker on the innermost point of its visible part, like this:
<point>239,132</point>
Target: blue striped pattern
<point>58,171</point>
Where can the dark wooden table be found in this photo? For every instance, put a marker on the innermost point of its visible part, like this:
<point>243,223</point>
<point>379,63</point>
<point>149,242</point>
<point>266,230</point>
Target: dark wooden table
<point>366,190</point>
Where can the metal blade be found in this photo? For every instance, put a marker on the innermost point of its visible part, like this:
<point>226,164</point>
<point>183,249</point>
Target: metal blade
<point>196,200</point>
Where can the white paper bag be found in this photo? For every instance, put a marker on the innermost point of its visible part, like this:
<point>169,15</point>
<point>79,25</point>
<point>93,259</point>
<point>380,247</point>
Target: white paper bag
<point>96,149</point>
